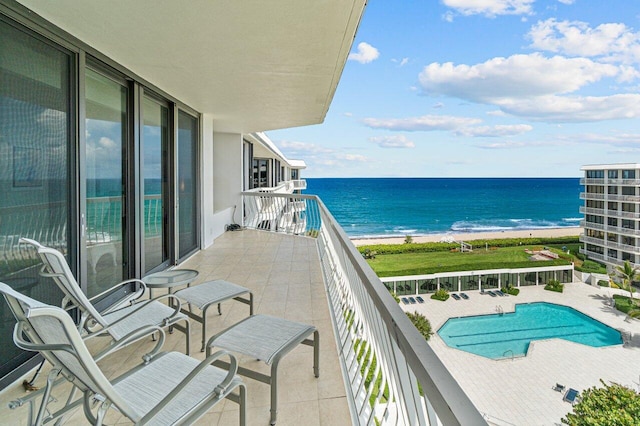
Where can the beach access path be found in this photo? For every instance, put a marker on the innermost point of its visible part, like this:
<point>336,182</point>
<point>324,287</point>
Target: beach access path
<point>470,236</point>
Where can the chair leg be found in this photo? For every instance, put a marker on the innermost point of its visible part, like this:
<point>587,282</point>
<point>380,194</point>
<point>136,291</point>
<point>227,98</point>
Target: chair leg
<point>204,327</point>
<point>51,378</point>
<point>274,392</point>
<point>187,332</point>
<point>316,353</point>
<point>243,404</point>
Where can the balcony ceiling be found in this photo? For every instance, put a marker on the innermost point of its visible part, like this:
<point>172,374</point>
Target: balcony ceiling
<point>254,65</point>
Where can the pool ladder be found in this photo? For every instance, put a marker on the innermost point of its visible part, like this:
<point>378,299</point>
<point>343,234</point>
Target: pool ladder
<point>499,309</point>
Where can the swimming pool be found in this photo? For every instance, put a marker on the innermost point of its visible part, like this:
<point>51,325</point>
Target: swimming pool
<point>505,335</point>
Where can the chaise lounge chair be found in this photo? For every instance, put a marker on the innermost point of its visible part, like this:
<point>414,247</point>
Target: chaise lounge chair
<point>419,299</point>
<point>558,387</point>
<point>412,300</point>
<point>405,300</point>
<point>464,296</point>
<point>117,321</point>
<point>167,388</point>
<point>500,293</point>
<point>571,396</point>
<point>491,293</point>
<point>455,296</point>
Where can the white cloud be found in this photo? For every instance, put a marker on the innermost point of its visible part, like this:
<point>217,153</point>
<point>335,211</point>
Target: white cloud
<point>398,141</point>
<point>424,123</point>
<point>613,42</point>
<point>518,76</point>
<point>567,1</point>
<point>438,105</point>
<point>496,113</point>
<point>293,147</point>
<point>448,16</point>
<point>401,62</point>
<point>366,53</point>
<point>490,8</point>
<point>500,130</point>
<point>503,145</point>
<point>575,108</point>
<point>358,158</point>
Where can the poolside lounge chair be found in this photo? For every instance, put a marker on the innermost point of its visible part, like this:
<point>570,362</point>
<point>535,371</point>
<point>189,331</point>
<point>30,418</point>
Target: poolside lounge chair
<point>117,321</point>
<point>419,299</point>
<point>491,293</point>
<point>167,388</point>
<point>558,387</point>
<point>464,296</point>
<point>412,300</point>
<point>455,296</point>
<point>500,293</point>
<point>405,300</point>
<point>571,396</point>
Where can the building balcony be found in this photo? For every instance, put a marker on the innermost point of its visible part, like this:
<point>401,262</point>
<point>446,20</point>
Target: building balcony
<point>299,184</point>
<point>591,196</point>
<point>317,277</point>
<point>591,181</point>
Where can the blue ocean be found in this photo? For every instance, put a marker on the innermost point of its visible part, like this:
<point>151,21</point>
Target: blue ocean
<point>385,207</point>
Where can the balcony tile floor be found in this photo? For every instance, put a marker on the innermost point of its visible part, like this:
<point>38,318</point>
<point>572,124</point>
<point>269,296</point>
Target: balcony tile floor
<point>519,391</point>
<point>285,276</point>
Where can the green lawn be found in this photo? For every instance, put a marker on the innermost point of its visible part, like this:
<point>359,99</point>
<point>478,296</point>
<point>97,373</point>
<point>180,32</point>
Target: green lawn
<point>390,265</point>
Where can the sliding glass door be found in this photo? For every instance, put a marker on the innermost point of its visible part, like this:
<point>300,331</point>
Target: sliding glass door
<point>156,213</point>
<point>106,151</point>
<point>187,193</point>
<point>36,146</point>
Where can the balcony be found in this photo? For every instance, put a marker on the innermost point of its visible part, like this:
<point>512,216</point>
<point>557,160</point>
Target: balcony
<point>316,277</point>
<point>299,184</point>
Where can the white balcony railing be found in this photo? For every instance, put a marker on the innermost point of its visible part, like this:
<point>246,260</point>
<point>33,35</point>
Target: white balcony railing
<point>299,184</point>
<point>375,338</point>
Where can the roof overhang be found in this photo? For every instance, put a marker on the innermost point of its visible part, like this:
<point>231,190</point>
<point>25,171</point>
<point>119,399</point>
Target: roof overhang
<point>254,65</point>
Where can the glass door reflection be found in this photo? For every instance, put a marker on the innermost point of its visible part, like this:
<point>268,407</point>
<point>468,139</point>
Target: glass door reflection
<point>155,183</point>
<point>106,136</point>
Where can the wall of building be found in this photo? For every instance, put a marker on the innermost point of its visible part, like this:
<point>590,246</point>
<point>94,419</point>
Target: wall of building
<point>222,172</point>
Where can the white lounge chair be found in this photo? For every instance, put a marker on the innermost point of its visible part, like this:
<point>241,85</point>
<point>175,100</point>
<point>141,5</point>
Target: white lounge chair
<point>118,321</point>
<point>167,388</point>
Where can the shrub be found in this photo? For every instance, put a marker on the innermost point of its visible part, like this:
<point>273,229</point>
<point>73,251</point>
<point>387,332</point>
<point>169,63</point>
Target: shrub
<point>369,254</point>
<point>422,324</point>
<point>581,256</point>
<point>408,239</point>
<point>603,283</point>
<point>591,266</point>
<point>554,285</point>
<point>511,290</point>
<point>612,405</point>
<point>441,294</point>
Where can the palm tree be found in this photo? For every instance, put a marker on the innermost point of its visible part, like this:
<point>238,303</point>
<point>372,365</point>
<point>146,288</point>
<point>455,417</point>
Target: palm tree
<point>628,274</point>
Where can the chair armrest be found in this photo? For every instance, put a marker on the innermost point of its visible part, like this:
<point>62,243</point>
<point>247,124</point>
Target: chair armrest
<point>130,298</point>
<point>167,320</point>
<point>218,391</point>
<point>134,336</point>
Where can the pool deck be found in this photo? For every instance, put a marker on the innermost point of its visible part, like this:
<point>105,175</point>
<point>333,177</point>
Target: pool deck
<point>519,391</point>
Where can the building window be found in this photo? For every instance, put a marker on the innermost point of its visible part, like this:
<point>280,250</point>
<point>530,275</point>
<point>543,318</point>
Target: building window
<point>628,207</point>
<point>612,254</point>
<point>595,234</point>
<point>612,205</point>
<point>595,174</point>
<point>612,189</point>
<point>628,174</point>
<point>612,174</point>
<point>628,190</point>
<point>628,256</point>
<point>628,224</point>
<point>260,173</point>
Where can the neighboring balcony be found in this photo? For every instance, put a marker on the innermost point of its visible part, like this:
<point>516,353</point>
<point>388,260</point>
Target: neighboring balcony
<point>299,184</point>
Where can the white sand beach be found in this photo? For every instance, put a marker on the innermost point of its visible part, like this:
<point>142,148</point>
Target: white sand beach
<point>470,236</point>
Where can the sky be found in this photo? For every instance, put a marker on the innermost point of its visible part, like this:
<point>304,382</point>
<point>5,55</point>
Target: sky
<point>481,88</point>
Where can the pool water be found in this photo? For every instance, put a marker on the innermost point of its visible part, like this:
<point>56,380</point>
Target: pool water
<point>505,335</point>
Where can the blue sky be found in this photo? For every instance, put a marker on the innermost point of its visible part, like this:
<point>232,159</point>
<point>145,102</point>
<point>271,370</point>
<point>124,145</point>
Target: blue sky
<point>481,88</point>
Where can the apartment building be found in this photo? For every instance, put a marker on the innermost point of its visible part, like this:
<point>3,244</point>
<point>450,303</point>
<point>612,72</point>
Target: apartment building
<point>611,213</point>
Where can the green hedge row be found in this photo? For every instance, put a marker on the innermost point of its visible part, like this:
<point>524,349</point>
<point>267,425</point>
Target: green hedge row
<point>459,267</point>
<point>433,247</point>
